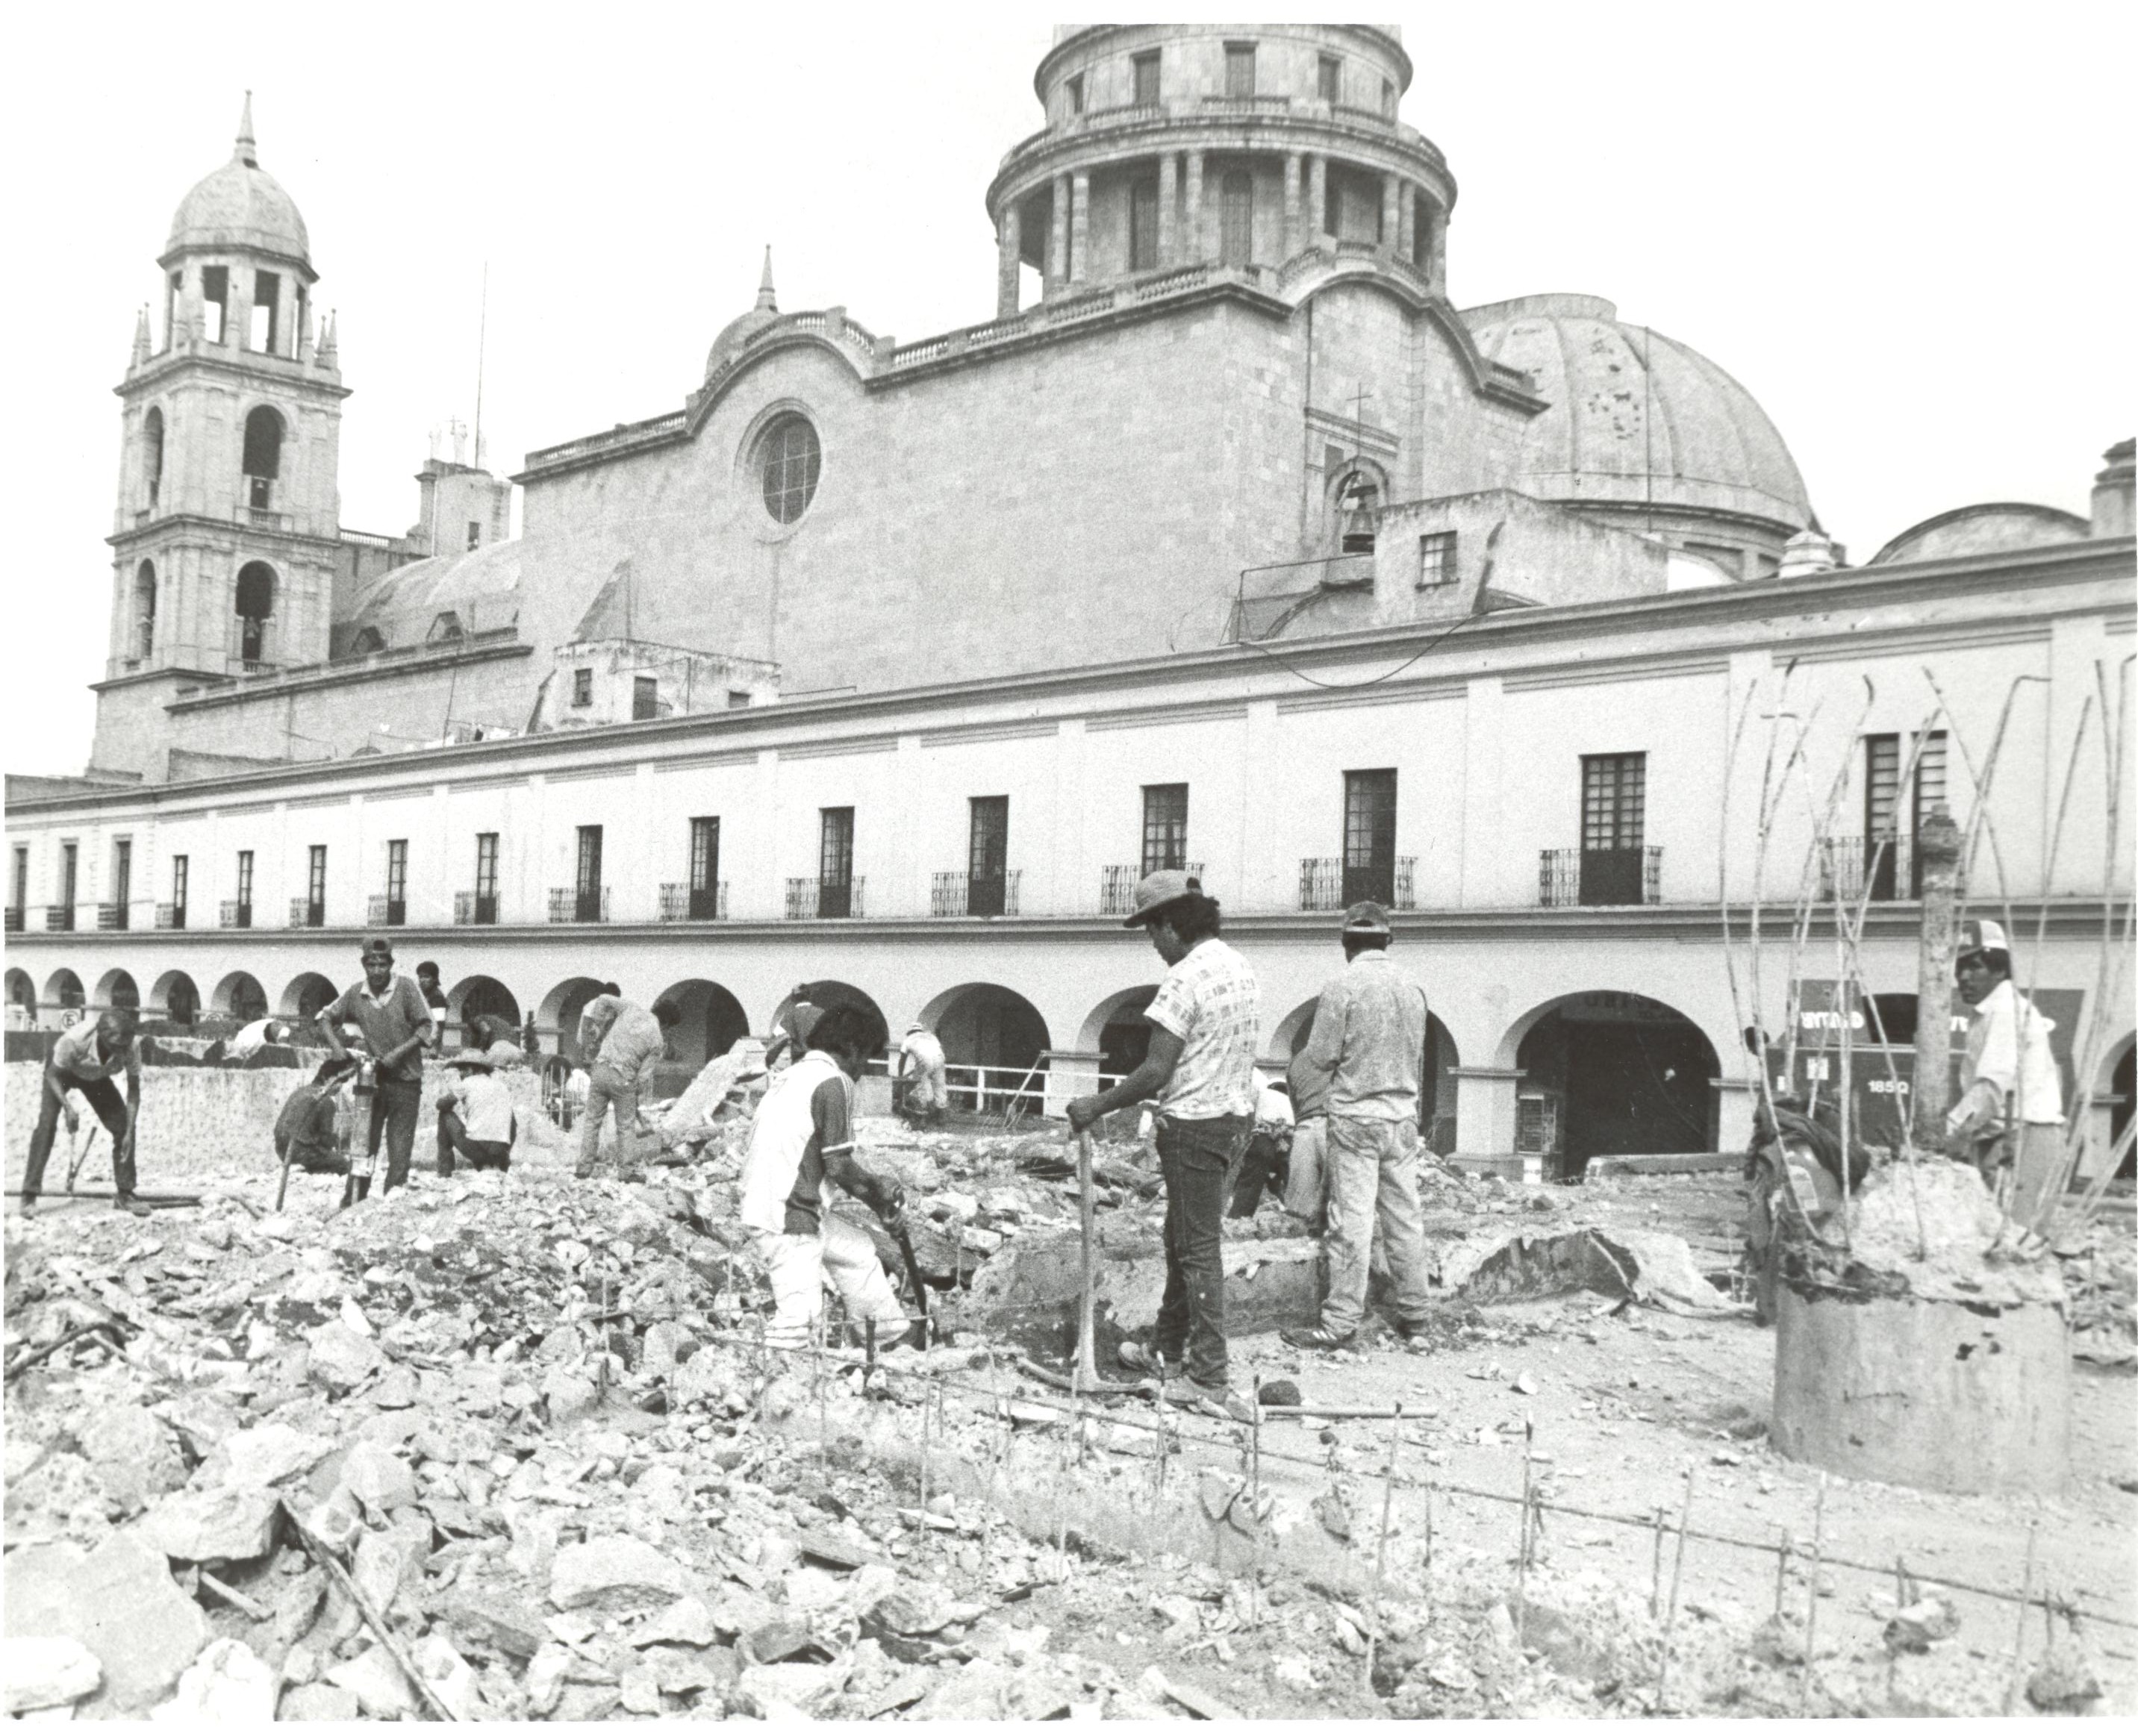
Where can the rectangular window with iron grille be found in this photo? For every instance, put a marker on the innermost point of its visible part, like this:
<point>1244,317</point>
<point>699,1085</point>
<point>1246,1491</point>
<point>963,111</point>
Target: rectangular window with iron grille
<point>70,873</point>
<point>315,888</point>
<point>1929,794</point>
<point>244,887</point>
<point>1143,226</point>
<point>587,869</point>
<point>486,877</point>
<point>1239,69</point>
<point>835,862</point>
<point>396,880</point>
<point>1613,800</point>
<point>18,894</point>
<point>122,872</point>
<point>1145,66</point>
<point>1165,827</point>
<point>987,856</point>
<point>705,889</point>
<point>1236,234</point>
<point>181,878</point>
<point>1370,836</point>
<point>1436,558</point>
<point>1882,812</point>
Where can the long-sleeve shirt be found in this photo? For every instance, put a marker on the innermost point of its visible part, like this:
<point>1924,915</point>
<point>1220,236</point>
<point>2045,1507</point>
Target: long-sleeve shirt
<point>1369,1041</point>
<point>2008,1051</point>
<point>626,1039</point>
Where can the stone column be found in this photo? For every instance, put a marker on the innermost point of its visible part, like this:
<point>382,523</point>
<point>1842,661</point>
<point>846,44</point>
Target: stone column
<point>1407,221</point>
<point>1010,239</point>
<point>1436,259</point>
<point>1317,201</point>
<point>1291,233</point>
<point>1195,249</point>
<point>1168,196</point>
<point>1391,209</point>
<point>1057,237</point>
<point>1080,226</point>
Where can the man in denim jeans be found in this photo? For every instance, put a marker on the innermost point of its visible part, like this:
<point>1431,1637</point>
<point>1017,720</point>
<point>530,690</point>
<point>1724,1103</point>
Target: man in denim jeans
<point>1201,1068</point>
<point>1368,1044</point>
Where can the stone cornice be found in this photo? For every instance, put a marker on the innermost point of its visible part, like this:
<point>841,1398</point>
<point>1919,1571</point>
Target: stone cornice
<point>352,672</point>
<point>1709,622</point>
<point>250,366</point>
<point>1387,40</point>
<point>200,522</point>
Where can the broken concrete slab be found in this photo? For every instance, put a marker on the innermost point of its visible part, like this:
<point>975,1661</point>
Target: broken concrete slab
<point>227,1684</point>
<point>212,1525</point>
<point>1647,1266</point>
<point>35,1673</point>
<point>119,1601</point>
<point>318,1703</point>
<point>342,1358</point>
<point>378,1477</point>
<point>262,1455</point>
<point>616,1575</point>
<point>376,1680</point>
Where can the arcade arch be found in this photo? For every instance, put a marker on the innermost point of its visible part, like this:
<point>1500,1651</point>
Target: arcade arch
<point>1435,1109</point>
<point>1607,1073</point>
<point>117,988</point>
<point>63,990</point>
<point>559,1013</point>
<point>175,997</point>
<point>1118,1030</point>
<point>828,993</point>
<point>23,993</point>
<point>985,1025</point>
<point>713,1021</point>
<point>475,997</point>
<point>240,996</point>
<point>306,994</point>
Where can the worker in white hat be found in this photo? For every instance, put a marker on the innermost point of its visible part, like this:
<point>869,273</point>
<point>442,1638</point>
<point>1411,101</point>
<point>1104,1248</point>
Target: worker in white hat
<point>921,1065</point>
<point>1369,1047</point>
<point>2010,1111</point>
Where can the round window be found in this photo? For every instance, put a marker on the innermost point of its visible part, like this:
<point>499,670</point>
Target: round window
<point>789,460</point>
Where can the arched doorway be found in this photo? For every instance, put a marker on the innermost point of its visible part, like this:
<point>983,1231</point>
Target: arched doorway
<point>557,1020</point>
<point>63,992</point>
<point>21,999</point>
<point>827,993</point>
<point>713,1021</point>
<point>176,999</point>
<point>1118,1030</point>
<point>239,997</point>
<point>1610,1073</point>
<point>479,998</point>
<point>306,994</point>
<point>117,988</point>
<point>984,1025</point>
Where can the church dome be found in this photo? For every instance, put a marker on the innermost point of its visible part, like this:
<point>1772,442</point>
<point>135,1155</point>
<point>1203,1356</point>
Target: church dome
<point>240,205</point>
<point>1636,418</point>
<point>738,331</point>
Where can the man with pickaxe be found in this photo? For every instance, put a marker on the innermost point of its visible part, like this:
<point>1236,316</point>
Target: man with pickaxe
<point>83,1059</point>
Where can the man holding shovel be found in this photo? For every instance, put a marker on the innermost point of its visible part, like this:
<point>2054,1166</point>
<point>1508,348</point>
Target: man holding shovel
<point>1201,1068</point>
<point>83,1059</point>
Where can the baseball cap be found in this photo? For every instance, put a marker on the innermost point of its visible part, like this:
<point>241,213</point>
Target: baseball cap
<point>1155,891</point>
<point>1366,917</point>
<point>1982,936</point>
<point>377,947</point>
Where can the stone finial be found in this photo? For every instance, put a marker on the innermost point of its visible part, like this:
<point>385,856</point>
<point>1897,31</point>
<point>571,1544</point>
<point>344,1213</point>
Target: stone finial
<point>246,151</point>
<point>2112,493</point>
<point>1811,551</point>
<point>329,346</point>
<point>141,336</point>
<point>765,298</point>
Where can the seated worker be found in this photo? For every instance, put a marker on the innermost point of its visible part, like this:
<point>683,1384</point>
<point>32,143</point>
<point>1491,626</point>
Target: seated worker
<point>304,1132</point>
<point>474,1115</point>
<point>799,1139</point>
<point>1267,1158</point>
<point>83,1059</point>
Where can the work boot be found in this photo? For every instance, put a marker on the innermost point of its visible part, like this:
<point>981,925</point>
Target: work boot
<point>29,1205</point>
<point>1219,1401</point>
<point>128,1203</point>
<point>1315,1338</point>
<point>1413,1332</point>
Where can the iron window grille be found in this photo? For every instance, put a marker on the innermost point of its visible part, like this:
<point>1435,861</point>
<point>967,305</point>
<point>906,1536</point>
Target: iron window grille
<point>1165,827</point>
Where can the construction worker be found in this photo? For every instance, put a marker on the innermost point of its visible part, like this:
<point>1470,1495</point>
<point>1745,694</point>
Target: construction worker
<point>474,1115</point>
<point>2010,1113</point>
<point>922,1064</point>
<point>434,998</point>
<point>800,1138</point>
<point>1368,1046</point>
<point>1266,1162</point>
<point>305,1132</point>
<point>623,1044</point>
<point>1305,1176</point>
<point>83,1059</point>
<point>252,1038</point>
<point>790,1029</point>
<point>1201,1069</point>
<point>395,1020</point>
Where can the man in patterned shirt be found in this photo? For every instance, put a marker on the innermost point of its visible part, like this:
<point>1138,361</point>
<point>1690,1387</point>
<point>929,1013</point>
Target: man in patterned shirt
<point>1201,1069</point>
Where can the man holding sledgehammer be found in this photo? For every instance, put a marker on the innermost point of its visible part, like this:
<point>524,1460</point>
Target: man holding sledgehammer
<point>83,1059</point>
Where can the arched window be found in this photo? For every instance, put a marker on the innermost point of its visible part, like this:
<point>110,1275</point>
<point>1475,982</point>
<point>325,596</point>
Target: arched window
<point>1236,239</point>
<point>788,462</point>
<point>144,609</point>
<point>263,456</point>
<point>152,453</point>
<point>256,606</point>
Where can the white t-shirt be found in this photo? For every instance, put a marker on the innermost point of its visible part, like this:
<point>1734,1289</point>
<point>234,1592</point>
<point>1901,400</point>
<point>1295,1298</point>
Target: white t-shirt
<point>485,1105</point>
<point>923,1050</point>
<point>249,1041</point>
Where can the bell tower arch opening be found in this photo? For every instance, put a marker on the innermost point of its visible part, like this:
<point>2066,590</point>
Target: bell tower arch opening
<point>145,611</point>
<point>255,609</point>
<point>263,457</point>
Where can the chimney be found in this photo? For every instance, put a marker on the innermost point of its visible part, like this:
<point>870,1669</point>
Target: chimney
<point>2111,493</point>
<point>1809,552</point>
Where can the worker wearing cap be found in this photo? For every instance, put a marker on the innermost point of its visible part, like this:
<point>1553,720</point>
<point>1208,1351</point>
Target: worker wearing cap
<point>474,1115</point>
<point>395,1023</point>
<point>1201,1068</point>
<point>1368,1044</point>
<point>920,1056</point>
<point>2011,1107</point>
<point>624,1045</point>
<point>83,1059</point>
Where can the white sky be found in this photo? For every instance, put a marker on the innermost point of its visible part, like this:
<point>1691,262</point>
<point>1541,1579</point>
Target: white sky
<point>1898,226</point>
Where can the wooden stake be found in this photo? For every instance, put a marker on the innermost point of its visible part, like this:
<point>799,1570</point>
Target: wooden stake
<point>1678,1574</point>
<point>1811,1612</point>
<point>1381,1549</point>
<point>2020,1629</point>
<point>1522,1553</point>
<point>1428,1570</point>
<point>927,1404</point>
<point>1655,1572</point>
<point>1782,1571</point>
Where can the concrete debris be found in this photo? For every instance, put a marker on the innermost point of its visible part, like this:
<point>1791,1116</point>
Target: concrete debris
<point>212,1525</point>
<point>614,1574</point>
<point>52,1672</point>
<point>226,1684</point>
<point>120,1602</point>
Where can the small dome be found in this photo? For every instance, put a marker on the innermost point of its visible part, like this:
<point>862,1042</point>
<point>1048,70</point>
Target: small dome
<point>1636,418</point>
<point>1995,528</point>
<point>740,331</point>
<point>242,206</point>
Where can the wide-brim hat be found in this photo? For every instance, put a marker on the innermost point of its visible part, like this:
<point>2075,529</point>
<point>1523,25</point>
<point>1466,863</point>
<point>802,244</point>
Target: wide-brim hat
<point>471,1058</point>
<point>1154,892</point>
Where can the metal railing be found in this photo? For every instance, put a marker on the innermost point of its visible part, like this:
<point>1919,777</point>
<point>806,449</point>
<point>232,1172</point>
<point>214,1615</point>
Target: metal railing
<point>808,899</point>
<point>474,908</point>
<point>1117,885</point>
<point>266,519</point>
<point>381,912</point>
<point>306,914</point>
<point>1567,878</point>
<point>170,916</point>
<point>1885,867</point>
<point>234,914</point>
<point>59,918</point>
<point>569,903</point>
<point>1326,883</point>
<point>16,918</point>
<point>965,895</point>
<point>114,916</point>
<point>681,903</point>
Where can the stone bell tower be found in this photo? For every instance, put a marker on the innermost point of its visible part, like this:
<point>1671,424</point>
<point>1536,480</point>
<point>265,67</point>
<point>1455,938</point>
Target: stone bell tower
<point>227,530</point>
